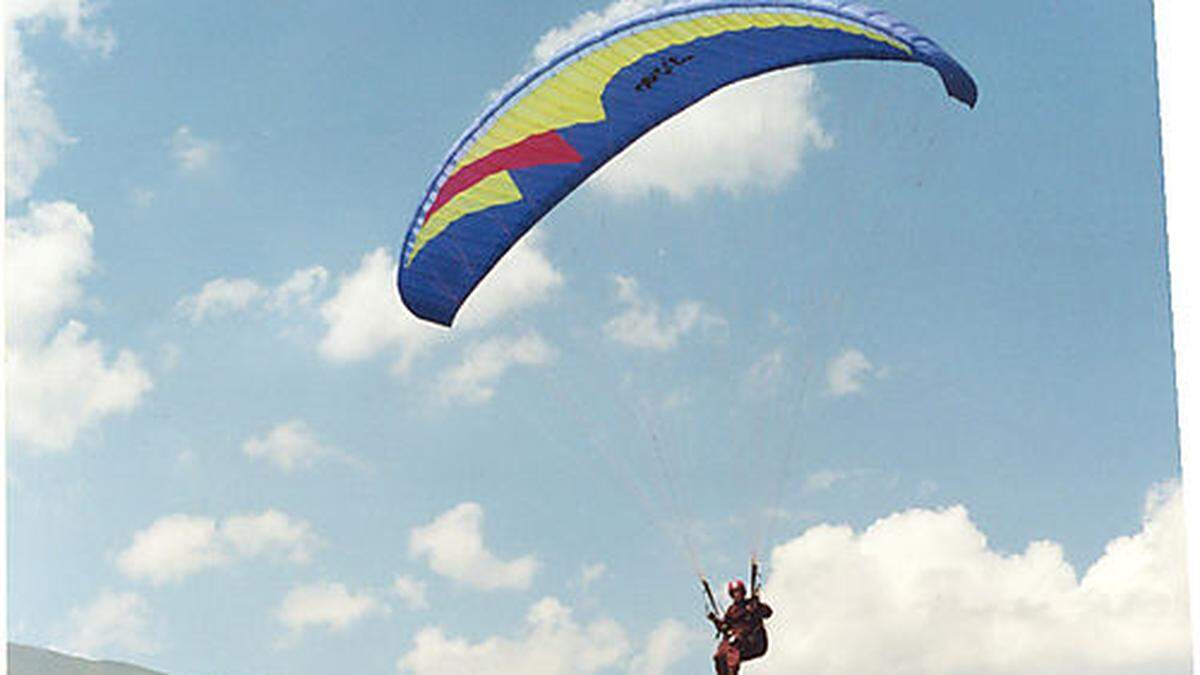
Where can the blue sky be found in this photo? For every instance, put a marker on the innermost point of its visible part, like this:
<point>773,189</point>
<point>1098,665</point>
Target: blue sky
<point>902,305</point>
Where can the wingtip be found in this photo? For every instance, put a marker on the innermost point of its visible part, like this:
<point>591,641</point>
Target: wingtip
<point>959,83</point>
<point>416,308</point>
<point>970,91</point>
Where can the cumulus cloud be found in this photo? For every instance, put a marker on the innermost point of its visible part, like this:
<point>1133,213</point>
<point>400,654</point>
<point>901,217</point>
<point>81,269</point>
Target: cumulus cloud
<point>643,324</point>
<point>269,533</point>
<point>666,645</point>
<point>172,548</point>
<point>453,546</point>
<point>473,379</point>
<point>524,277</point>
<point>223,296</point>
<point>33,134</point>
<point>177,546</point>
<point>917,592</point>
<point>58,389</point>
<point>191,152</point>
<point>77,19</point>
<point>923,592</point>
<point>300,289</point>
<point>48,252</point>
<point>325,605</point>
<point>289,446</point>
<point>59,382</point>
<point>551,642</point>
<point>587,23</point>
<point>754,134</point>
<point>111,621</point>
<point>410,591</point>
<point>848,372</point>
<point>365,316</point>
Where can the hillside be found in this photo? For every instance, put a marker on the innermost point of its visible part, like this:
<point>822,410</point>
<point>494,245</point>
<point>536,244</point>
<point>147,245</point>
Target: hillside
<point>23,660</point>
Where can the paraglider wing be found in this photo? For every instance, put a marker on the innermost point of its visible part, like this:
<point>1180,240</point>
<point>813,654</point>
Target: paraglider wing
<point>563,121</point>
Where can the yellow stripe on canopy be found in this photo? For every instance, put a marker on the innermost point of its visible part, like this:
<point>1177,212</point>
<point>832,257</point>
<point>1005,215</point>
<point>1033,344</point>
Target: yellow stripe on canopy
<point>495,190</point>
<point>573,95</point>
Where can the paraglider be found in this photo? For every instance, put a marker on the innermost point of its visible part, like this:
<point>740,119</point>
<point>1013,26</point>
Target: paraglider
<point>552,129</point>
<point>743,636</point>
<point>556,126</point>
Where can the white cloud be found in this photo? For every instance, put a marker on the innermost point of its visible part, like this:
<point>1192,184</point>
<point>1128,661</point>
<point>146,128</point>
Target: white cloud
<point>592,573</point>
<point>289,446</point>
<point>75,16</point>
<point>366,317</point>
<point>59,382</point>
<point>269,533</point>
<point>917,592</point>
<point>667,644</point>
<point>191,152</point>
<point>300,289</point>
<point>172,548</point>
<point>551,642</point>
<point>587,23</point>
<point>48,252</point>
<point>453,546</point>
<point>922,592</point>
<point>325,605</point>
<point>754,134</point>
<point>112,621</point>
<point>847,373</point>
<point>524,277</point>
<point>57,390</point>
<point>474,379</point>
<point>220,297</point>
<point>558,38</point>
<point>819,481</point>
<point>410,591</point>
<point>643,324</point>
<point>177,546</point>
<point>33,134</point>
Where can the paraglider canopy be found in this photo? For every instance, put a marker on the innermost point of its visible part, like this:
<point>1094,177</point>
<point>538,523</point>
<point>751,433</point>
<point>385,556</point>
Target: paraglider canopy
<point>556,126</point>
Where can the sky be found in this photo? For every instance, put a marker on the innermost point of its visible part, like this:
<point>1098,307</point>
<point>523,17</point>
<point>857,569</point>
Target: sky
<point>915,356</point>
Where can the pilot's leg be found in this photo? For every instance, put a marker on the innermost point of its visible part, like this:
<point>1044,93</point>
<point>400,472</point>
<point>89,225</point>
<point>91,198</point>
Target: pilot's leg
<point>719,658</point>
<point>733,659</point>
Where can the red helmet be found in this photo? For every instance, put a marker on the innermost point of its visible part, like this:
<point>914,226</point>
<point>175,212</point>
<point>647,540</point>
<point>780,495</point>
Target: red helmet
<point>736,586</point>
